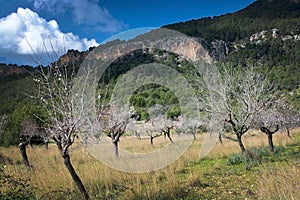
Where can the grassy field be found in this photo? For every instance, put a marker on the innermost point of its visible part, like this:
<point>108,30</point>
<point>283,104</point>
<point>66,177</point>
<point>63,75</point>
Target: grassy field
<point>223,174</point>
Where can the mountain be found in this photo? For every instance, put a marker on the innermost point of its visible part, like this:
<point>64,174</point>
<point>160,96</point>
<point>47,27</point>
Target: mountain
<point>15,84</point>
<point>260,15</point>
<point>265,32</point>
<point>9,69</point>
<point>227,33</point>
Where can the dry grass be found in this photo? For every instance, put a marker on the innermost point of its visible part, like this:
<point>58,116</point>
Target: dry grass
<point>49,176</point>
<point>251,139</point>
<point>280,183</point>
<point>132,144</point>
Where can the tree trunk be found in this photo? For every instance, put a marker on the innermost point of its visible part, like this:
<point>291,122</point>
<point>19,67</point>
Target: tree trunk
<point>75,177</point>
<point>116,149</point>
<point>270,142</point>
<point>269,134</point>
<point>240,142</point>
<point>220,138</point>
<point>22,147</point>
<point>151,140</point>
<point>47,144</point>
<point>169,136</point>
<point>288,132</point>
<point>194,136</point>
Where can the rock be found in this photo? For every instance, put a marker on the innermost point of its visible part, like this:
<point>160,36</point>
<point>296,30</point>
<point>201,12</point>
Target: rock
<point>72,57</point>
<point>287,37</point>
<point>275,32</point>
<point>185,47</point>
<point>7,70</point>
<point>297,37</point>
<point>218,50</point>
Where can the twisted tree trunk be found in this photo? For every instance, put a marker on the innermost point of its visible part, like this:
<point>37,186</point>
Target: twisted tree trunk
<point>22,146</point>
<point>240,142</point>
<point>75,177</point>
<point>151,140</point>
<point>47,144</point>
<point>194,135</point>
<point>116,149</point>
<point>67,161</point>
<point>269,134</point>
<point>270,142</point>
<point>167,133</point>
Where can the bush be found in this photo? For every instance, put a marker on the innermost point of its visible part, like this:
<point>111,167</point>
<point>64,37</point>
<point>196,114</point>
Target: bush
<point>14,188</point>
<point>251,158</point>
<point>235,159</point>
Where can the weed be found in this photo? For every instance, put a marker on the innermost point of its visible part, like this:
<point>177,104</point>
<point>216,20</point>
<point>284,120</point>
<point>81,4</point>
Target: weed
<point>280,182</point>
<point>12,188</point>
<point>235,159</point>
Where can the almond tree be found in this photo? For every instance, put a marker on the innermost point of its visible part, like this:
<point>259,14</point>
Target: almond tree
<point>28,129</point>
<point>166,128</point>
<point>115,120</point>
<point>55,93</point>
<point>145,130</point>
<point>235,96</point>
<point>290,114</point>
<point>155,127</point>
<point>116,130</point>
<point>278,115</point>
<point>159,126</point>
<point>153,134</point>
<point>193,125</point>
<point>291,120</point>
<point>269,123</point>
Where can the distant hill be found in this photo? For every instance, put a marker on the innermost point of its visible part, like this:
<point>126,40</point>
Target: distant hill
<point>17,85</point>
<point>9,69</point>
<point>265,32</point>
<point>260,15</point>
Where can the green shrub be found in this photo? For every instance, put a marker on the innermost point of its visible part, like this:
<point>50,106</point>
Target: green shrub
<point>235,159</point>
<point>14,188</point>
<point>251,158</point>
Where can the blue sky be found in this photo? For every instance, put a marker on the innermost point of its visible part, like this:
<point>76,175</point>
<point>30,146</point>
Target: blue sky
<point>79,24</point>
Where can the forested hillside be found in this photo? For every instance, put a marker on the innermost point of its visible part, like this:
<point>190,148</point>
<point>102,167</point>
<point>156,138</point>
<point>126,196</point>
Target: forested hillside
<point>16,85</point>
<point>261,15</point>
<point>265,33</point>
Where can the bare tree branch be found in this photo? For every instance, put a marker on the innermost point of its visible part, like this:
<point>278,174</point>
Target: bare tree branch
<point>236,95</point>
<point>55,84</point>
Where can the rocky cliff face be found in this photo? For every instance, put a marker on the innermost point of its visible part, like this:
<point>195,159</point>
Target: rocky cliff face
<point>187,48</point>
<point>192,49</point>
<point>218,49</point>
<point>72,57</point>
<point>195,49</point>
<point>7,70</point>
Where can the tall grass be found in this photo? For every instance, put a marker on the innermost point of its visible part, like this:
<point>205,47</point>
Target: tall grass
<point>50,179</point>
<point>280,182</point>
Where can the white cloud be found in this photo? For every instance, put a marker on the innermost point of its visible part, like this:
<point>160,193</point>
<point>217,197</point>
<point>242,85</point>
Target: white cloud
<point>86,12</point>
<point>24,32</point>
